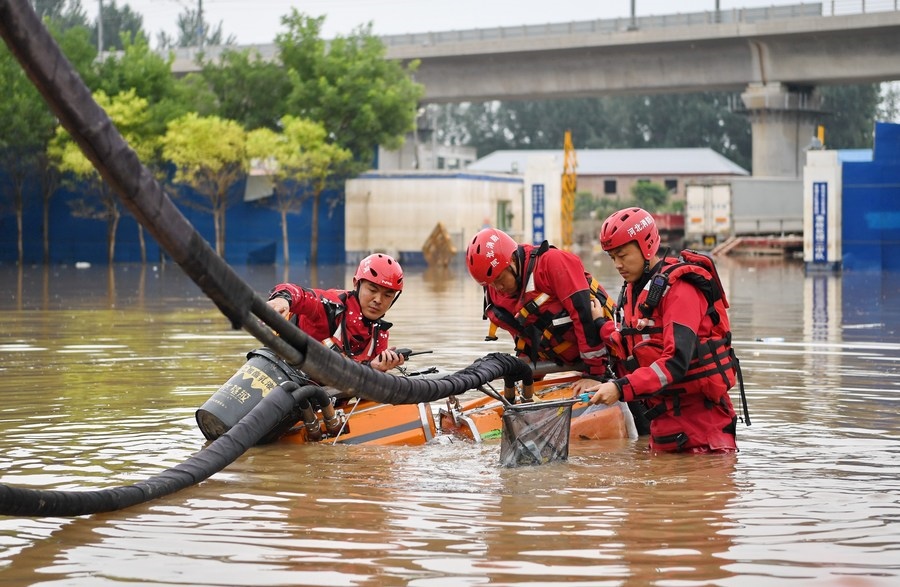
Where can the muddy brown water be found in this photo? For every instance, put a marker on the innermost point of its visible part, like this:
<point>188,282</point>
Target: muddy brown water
<point>101,371</point>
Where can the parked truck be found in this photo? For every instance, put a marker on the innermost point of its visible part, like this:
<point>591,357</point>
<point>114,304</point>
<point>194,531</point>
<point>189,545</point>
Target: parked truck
<point>707,214</point>
<point>746,206</point>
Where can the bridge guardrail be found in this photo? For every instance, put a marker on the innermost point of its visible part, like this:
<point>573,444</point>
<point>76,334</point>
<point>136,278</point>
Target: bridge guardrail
<point>616,25</point>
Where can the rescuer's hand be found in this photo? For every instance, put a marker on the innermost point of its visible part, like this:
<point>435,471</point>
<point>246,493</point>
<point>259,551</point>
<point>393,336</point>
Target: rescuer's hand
<point>602,392</point>
<point>387,360</point>
<point>281,306</point>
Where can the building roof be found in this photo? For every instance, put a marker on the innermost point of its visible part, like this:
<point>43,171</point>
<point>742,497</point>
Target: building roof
<point>855,155</point>
<point>619,162</point>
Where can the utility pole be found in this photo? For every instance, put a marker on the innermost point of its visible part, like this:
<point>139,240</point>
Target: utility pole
<point>200,32</point>
<point>100,30</point>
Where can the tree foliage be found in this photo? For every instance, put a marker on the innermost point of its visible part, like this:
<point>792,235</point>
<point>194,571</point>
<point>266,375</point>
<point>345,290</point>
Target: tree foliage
<point>688,120</point>
<point>117,24</point>
<point>247,88</point>
<point>650,196</point>
<point>129,112</point>
<point>195,31</point>
<point>301,160</point>
<point>709,119</point>
<point>27,126</point>
<point>65,14</point>
<point>347,84</point>
<point>210,155</point>
<point>139,68</point>
<point>849,117</point>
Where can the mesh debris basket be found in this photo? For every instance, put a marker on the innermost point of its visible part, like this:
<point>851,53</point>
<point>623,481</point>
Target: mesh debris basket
<point>535,433</point>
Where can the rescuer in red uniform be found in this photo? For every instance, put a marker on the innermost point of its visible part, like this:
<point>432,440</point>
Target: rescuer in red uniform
<point>671,340</point>
<point>542,296</point>
<point>349,321</point>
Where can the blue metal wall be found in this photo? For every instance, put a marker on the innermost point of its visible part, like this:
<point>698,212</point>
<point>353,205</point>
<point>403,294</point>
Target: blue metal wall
<point>871,206</point>
<point>252,232</point>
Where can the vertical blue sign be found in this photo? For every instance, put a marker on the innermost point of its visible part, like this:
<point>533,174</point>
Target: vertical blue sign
<point>537,213</point>
<point>820,221</point>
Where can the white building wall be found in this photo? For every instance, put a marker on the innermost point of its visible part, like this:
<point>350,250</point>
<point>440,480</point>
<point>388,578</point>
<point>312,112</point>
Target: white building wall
<point>396,212</point>
<point>543,179</point>
<point>822,200</point>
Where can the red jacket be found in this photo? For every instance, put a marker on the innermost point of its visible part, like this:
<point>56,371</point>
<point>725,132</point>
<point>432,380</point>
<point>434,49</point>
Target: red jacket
<point>680,364</point>
<point>334,317</point>
<point>559,328</point>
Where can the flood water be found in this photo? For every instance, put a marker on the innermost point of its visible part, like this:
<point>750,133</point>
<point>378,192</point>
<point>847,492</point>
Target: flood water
<point>101,372</point>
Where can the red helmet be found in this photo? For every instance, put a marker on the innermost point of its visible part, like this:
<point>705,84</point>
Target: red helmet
<point>382,270</point>
<point>630,224</point>
<point>489,253</point>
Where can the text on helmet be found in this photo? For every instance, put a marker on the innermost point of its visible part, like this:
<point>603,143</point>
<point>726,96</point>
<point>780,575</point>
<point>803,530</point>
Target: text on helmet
<point>639,226</point>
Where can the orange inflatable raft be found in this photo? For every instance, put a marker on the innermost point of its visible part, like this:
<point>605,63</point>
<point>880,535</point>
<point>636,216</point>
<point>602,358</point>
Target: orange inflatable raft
<point>334,417</point>
<point>481,418</point>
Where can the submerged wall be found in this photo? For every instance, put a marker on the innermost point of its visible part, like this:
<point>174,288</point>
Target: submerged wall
<point>252,232</point>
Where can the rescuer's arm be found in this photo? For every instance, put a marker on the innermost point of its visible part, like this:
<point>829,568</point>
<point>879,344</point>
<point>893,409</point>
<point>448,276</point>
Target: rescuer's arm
<point>681,309</point>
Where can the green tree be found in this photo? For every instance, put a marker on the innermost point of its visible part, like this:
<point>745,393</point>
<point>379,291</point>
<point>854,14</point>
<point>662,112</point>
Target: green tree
<point>210,155</point>
<point>248,89</point>
<point>114,22</point>
<point>584,205</point>
<point>889,107</point>
<point>348,84</point>
<point>690,120</point>
<point>649,195</point>
<point>65,14</point>
<point>191,93</point>
<point>850,113</point>
<point>710,119</point>
<point>129,112</point>
<point>194,31</point>
<point>301,161</point>
<point>687,120</point>
<point>27,125</point>
<point>143,70</point>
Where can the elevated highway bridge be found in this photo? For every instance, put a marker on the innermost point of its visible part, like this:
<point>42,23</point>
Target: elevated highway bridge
<point>775,57</point>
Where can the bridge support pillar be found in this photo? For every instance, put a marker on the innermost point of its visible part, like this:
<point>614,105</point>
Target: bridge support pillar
<point>783,122</point>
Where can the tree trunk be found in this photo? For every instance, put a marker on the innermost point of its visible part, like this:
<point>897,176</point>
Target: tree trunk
<point>49,183</point>
<point>142,243</point>
<point>18,180</point>
<point>219,209</point>
<point>46,230</point>
<point>284,237</point>
<point>111,225</point>
<point>314,230</point>
<point>19,226</point>
<point>217,220</point>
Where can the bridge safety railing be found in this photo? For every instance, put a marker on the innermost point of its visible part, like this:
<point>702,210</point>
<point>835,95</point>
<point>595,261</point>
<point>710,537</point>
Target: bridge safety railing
<point>185,57</point>
<point>617,25</point>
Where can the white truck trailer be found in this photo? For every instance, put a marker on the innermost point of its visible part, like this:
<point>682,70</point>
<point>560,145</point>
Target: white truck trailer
<point>746,206</point>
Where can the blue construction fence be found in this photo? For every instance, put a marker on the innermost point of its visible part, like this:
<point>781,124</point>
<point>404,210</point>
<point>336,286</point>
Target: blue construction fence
<point>870,206</point>
<point>252,231</point>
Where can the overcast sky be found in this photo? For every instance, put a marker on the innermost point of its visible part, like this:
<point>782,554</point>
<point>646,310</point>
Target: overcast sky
<point>258,21</point>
